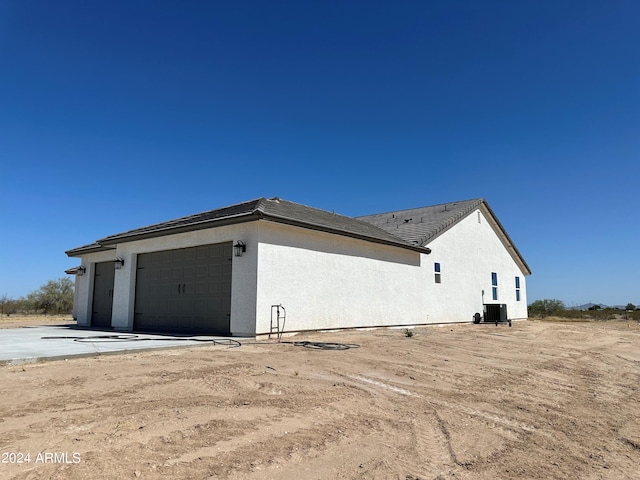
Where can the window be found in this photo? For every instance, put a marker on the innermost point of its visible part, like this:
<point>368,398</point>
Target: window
<point>436,269</point>
<point>517,289</point>
<point>494,283</point>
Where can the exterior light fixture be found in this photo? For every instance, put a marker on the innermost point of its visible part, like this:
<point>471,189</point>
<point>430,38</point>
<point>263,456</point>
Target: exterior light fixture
<point>239,248</point>
<point>81,270</point>
<point>118,263</point>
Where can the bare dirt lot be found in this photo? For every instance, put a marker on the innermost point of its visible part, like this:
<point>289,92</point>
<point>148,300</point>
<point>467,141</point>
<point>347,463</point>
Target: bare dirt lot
<point>538,400</point>
<point>15,321</point>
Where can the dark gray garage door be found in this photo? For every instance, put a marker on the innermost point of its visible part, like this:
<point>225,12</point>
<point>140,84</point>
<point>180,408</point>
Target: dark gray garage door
<point>185,291</point>
<point>102,294</point>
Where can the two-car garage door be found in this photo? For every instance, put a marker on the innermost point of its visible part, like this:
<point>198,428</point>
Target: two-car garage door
<point>187,290</point>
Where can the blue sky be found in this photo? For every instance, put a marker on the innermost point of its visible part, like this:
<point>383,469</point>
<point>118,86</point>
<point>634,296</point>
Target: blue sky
<point>119,114</point>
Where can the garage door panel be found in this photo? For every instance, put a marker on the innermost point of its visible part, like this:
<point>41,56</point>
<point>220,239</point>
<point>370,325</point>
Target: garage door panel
<point>177,257</point>
<point>213,288</point>
<point>201,288</point>
<point>190,257</point>
<point>186,290</point>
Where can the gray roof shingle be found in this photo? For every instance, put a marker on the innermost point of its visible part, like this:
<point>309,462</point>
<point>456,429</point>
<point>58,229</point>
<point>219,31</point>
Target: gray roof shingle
<point>422,225</point>
<point>294,213</point>
<point>272,209</point>
<point>413,229</point>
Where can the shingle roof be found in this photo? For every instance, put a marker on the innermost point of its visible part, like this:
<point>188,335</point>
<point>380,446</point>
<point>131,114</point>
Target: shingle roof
<point>422,225</point>
<point>91,248</point>
<point>413,229</point>
<point>277,209</point>
<point>272,209</point>
<point>222,216</point>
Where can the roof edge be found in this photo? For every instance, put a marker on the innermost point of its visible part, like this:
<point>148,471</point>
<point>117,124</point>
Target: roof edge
<point>511,244</point>
<point>313,226</point>
<point>85,249</point>
<point>170,230</point>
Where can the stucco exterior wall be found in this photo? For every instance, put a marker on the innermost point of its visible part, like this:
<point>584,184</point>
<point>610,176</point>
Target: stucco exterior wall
<point>468,253</point>
<point>330,281</point>
<point>243,287</point>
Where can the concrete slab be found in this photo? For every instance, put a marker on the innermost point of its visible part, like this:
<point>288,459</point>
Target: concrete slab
<point>34,344</point>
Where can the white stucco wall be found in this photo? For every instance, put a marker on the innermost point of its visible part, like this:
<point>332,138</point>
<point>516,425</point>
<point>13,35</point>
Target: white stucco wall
<point>468,253</point>
<point>243,287</point>
<point>331,281</point>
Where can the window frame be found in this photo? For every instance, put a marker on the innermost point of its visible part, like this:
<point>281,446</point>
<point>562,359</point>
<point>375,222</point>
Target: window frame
<point>494,286</point>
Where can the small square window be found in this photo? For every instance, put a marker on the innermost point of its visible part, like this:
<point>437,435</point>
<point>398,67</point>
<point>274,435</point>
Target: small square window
<point>436,267</point>
<point>438,278</point>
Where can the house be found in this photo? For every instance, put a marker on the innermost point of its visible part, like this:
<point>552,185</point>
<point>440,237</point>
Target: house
<point>235,270</point>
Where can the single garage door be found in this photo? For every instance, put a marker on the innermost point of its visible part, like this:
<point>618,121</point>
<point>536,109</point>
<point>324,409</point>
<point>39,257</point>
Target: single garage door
<point>102,295</point>
<point>187,290</point>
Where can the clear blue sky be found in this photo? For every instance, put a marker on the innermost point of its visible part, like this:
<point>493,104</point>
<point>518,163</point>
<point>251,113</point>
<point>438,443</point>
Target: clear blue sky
<point>119,114</point>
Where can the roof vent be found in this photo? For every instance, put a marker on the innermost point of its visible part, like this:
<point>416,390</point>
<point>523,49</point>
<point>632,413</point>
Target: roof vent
<point>407,220</point>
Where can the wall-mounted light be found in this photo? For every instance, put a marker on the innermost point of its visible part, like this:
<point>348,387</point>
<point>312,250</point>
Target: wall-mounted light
<point>239,248</point>
<point>118,263</point>
<point>81,270</point>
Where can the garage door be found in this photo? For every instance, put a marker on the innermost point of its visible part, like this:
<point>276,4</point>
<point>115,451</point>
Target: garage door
<point>185,291</point>
<point>102,295</point>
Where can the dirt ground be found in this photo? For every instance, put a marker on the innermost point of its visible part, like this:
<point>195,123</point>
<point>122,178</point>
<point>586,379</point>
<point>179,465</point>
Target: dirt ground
<point>538,400</point>
<point>15,321</point>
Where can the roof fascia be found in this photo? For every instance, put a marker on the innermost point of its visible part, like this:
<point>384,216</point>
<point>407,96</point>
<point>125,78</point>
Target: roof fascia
<point>171,230</point>
<point>504,237</point>
<point>258,213</point>
<point>322,228</point>
<point>497,227</point>
<point>78,252</point>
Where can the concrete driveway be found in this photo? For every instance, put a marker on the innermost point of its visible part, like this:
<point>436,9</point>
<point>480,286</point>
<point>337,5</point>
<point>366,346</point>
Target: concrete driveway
<point>34,344</point>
